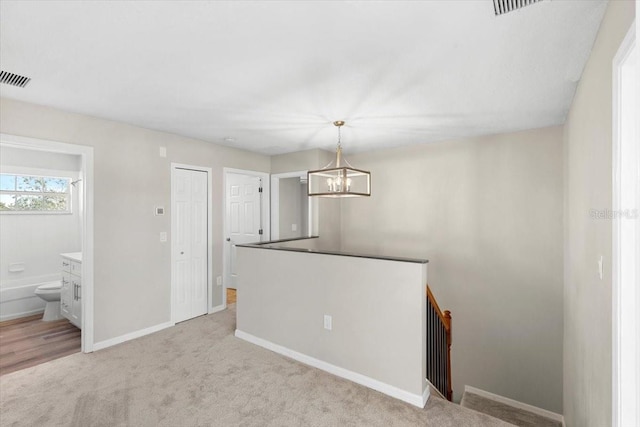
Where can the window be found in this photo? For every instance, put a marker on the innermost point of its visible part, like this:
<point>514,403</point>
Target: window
<point>34,194</point>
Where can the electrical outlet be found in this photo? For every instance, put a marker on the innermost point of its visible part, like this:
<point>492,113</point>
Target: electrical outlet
<point>163,236</point>
<point>327,322</point>
<point>219,280</point>
<point>294,227</point>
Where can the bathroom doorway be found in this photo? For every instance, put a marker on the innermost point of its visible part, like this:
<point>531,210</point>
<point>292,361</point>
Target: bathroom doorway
<point>292,210</point>
<point>51,181</point>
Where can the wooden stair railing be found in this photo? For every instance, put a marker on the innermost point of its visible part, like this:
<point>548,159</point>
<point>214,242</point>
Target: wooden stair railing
<point>438,346</point>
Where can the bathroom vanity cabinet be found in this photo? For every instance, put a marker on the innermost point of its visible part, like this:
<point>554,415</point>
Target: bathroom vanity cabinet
<point>71,291</point>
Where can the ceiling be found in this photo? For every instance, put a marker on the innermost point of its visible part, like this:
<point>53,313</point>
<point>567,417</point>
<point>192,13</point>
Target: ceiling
<point>271,76</point>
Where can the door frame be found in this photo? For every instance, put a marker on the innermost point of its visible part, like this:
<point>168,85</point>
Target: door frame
<point>625,254</point>
<point>265,213</point>
<point>275,203</point>
<point>86,174</point>
<point>209,172</point>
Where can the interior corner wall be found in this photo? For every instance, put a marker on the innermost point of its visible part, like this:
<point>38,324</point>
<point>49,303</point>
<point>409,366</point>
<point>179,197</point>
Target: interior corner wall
<point>487,214</point>
<point>132,271</point>
<point>588,186</point>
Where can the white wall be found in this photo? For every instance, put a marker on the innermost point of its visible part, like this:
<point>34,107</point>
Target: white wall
<point>132,268</point>
<point>588,172</point>
<point>35,240</point>
<point>487,213</point>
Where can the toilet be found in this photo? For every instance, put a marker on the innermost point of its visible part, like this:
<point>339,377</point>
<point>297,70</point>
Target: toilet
<point>50,293</point>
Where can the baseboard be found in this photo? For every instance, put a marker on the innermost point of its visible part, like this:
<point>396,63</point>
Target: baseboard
<point>130,336</point>
<point>217,308</point>
<point>425,397</point>
<point>515,403</point>
<point>395,392</point>
<point>19,315</point>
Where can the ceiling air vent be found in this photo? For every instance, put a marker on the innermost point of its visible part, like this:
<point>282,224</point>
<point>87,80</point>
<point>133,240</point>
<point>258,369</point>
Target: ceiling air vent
<point>504,6</point>
<point>13,79</point>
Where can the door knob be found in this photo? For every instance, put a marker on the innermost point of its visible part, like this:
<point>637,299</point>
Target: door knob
<point>228,239</point>
<point>181,253</point>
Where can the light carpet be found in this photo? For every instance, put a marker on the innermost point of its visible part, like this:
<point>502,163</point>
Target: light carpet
<point>198,374</point>
<point>515,416</point>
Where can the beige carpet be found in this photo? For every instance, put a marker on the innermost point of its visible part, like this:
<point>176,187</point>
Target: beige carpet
<point>198,374</point>
<point>515,416</point>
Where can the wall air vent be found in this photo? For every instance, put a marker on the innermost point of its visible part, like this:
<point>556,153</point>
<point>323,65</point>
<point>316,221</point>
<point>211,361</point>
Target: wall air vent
<point>13,79</point>
<point>504,6</point>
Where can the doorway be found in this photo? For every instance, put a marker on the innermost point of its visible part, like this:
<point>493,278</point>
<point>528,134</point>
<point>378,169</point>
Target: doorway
<point>190,242</point>
<point>626,234</point>
<point>84,189</point>
<point>292,210</point>
<point>246,218</point>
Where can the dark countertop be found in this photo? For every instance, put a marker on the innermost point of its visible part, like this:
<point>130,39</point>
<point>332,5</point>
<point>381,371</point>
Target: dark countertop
<point>272,244</point>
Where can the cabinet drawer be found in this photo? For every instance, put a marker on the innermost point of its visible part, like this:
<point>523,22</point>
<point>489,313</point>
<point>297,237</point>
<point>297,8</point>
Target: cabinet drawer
<point>76,268</point>
<point>66,265</point>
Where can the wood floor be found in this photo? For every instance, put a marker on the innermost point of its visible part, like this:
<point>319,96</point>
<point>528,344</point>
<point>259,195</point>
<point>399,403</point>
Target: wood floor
<point>231,296</point>
<point>29,341</point>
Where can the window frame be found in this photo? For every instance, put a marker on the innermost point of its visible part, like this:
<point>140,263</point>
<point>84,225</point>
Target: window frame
<point>40,173</point>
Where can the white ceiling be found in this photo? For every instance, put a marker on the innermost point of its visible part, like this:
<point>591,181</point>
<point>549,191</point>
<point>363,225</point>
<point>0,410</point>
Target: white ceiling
<point>274,75</point>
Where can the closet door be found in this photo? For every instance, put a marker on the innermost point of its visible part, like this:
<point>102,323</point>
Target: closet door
<point>190,243</point>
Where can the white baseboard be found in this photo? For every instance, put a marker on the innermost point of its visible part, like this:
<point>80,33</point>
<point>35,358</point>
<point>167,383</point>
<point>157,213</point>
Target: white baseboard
<point>414,399</point>
<point>130,336</point>
<point>217,308</point>
<point>19,315</point>
<point>515,403</point>
<point>425,396</point>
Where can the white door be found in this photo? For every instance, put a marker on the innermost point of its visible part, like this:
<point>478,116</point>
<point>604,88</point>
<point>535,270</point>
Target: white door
<point>189,243</point>
<point>244,225</point>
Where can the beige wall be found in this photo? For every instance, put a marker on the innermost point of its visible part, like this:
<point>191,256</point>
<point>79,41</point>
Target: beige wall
<point>290,208</point>
<point>587,299</point>
<point>132,268</point>
<point>298,161</point>
<point>283,297</point>
<point>487,213</point>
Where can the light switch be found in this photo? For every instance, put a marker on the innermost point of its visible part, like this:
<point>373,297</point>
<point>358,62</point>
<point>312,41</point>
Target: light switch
<point>163,151</point>
<point>163,236</point>
<point>294,227</point>
<point>328,322</point>
<point>600,268</point>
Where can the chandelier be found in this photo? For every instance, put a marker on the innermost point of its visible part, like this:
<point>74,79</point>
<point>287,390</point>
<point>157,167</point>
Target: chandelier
<point>338,180</point>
